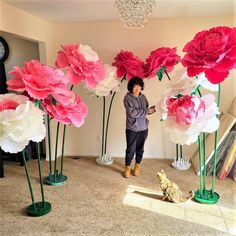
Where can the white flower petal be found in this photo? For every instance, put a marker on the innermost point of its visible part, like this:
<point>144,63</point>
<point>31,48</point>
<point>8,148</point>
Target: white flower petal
<point>109,83</point>
<point>8,145</point>
<point>205,83</point>
<point>88,53</point>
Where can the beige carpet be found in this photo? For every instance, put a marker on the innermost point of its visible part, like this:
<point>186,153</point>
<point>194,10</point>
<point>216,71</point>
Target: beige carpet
<point>97,200</point>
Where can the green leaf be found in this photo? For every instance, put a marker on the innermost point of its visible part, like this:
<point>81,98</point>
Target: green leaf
<point>37,102</point>
<point>54,102</point>
<point>160,73</point>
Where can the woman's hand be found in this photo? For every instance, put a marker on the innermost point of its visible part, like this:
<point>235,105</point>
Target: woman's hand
<point>151,110</point>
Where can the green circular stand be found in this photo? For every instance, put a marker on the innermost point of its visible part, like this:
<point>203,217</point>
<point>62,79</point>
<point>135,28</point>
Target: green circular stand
<point>39,209</point>
<point>206,196</point>
<point>56,179</point>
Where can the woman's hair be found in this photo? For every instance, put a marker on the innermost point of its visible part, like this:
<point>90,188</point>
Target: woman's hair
<point>135,81</point>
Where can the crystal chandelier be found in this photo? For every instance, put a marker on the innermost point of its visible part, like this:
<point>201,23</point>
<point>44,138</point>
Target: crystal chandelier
<point>134,13</point>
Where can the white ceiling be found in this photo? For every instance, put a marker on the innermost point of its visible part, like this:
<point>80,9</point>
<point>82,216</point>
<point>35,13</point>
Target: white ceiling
<point>104,10</point>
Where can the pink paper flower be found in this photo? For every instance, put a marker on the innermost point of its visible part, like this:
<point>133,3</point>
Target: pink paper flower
<point>82,63</point>
<point>37,79</point>
<point>213,52</point>
<point>161,57</point>
<point>186,109</point>
<point>70,110</point>
<point>129,65</point>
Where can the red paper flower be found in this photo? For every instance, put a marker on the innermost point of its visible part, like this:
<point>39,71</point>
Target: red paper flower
<point>161,57</point>
<point>129,65</point>
<point>82,63</point>
<point>213,52</point>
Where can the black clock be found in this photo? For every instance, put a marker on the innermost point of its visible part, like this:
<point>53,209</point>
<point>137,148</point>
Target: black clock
<point>4,50</point>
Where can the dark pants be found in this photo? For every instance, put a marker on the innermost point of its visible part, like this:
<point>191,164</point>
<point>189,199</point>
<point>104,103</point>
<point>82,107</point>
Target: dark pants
<point>135,145</point>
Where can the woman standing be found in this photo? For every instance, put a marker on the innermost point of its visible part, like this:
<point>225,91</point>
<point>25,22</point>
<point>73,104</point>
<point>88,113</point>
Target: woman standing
<point>136,106</point>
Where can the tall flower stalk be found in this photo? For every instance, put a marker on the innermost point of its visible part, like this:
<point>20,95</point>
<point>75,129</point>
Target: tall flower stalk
<point>21,121</point>
<point>211,53</point>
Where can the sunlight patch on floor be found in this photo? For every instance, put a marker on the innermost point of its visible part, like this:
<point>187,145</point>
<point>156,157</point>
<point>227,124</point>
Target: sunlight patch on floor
<point>213,216</point>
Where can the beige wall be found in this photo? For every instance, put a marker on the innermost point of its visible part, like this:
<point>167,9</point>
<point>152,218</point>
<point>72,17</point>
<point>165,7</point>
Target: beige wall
<point>108,38</point>
<point>25,25</point>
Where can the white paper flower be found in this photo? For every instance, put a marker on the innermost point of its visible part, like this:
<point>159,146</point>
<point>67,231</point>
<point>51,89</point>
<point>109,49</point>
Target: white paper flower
<point>184,86</point>
<point>88,53</point>
<point>109,83</point>
<point>204,120</point>
<point>20,122</point>
<point>205,83</point>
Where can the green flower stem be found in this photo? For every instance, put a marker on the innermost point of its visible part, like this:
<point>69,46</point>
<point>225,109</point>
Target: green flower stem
<point>62,150</point>
<point>167,75</point>
<point>198,90</point>
<point>103,122</point>
<point>40,176</point>
<point>215,149</point>
<point>177,152</point>
<point>200,161</point>
<point>28,178</point>
<point>181,151</point>
<point>49,144</point>
<point>55,161</point>
<point>108,116</point>
<point>204,161</point>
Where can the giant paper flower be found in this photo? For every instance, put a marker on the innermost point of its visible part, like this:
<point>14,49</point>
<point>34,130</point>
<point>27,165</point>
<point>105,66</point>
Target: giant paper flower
<point>187,116</point>
<point>109,83</point>
<point>211,51</point>
<point>129,65</point>
<point>81,63</point>
<point>20,122</point>
<point>67,110</point>
<point>37,79</point>
<point>161,57</point>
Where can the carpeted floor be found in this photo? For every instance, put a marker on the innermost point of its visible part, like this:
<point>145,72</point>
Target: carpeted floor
<point>97,200</point>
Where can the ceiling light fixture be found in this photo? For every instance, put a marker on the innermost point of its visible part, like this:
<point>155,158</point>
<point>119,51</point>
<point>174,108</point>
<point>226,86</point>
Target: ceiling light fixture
<point>134,13</point>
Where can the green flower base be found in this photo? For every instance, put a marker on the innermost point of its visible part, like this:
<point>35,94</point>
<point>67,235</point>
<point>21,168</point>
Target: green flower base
<point>206,196</point>
<point>56,180</point>
<point>39,209</point>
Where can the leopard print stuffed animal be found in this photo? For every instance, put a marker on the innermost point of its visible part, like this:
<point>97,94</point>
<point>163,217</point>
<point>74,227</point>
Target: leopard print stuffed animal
<point>171,190</point>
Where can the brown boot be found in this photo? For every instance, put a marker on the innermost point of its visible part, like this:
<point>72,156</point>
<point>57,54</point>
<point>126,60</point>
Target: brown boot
<point>137,169</point>
<point>127,172</point>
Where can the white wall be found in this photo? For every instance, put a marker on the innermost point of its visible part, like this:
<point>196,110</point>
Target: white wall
<point>107,39</point>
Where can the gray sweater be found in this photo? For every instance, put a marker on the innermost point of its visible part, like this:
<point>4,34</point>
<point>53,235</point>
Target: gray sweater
<point>136,111</point>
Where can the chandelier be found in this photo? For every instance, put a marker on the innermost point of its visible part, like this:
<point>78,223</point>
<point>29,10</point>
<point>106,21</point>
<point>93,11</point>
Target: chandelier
<point>134,13</point>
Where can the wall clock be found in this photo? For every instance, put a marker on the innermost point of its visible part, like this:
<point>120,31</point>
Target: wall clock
<point>4,50</point>
<point>4,53</point>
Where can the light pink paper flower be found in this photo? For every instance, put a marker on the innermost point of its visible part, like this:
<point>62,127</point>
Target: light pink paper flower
<point>129,65</point>
<point>37,79</point>
<point>20,122</point>
<point>211,51</point>
<point>70,110</point>
<point>161,57</point>
<point>185,117</point>
<point>81,63</point>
